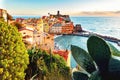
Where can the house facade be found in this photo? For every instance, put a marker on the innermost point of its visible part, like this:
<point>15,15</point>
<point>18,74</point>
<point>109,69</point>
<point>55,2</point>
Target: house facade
<point>27,34</point>
<point>3,14</point>
<point>60,24</point>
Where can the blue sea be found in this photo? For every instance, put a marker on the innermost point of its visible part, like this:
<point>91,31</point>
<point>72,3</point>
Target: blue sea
<point>103,25</point>
<point>109,26</point>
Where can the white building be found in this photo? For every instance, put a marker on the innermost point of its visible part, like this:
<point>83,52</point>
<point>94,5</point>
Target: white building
<point>27,34</point>
<point>56,28</point>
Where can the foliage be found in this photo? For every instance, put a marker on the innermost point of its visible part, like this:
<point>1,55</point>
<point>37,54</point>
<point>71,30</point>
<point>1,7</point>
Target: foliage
<point>47,66</point>
<point>17,24</point>
<point>83,59</point>
<point>114,51</point>
<point>99,51</point>
<point>9,17</point>
<point>106,58</point>
<point>13,54</point>
<point>80,76</point>
<point>1,19</point>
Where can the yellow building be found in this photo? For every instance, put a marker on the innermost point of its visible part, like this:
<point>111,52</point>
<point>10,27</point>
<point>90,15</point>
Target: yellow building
<point>40,25</point>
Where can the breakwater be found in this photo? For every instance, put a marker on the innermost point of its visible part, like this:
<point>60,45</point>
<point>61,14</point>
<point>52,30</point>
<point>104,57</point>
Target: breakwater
<point>87,34</point>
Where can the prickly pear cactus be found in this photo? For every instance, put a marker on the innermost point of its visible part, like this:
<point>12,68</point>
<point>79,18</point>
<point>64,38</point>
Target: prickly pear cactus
<point>106,57</point>
<point>99,51</point>
<point>83,59</point>
<point>95,76</point>
<point>114,51</point>
<point>80,76</point>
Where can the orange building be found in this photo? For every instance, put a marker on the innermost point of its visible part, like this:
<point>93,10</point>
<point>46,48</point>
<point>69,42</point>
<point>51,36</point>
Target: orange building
<point>67,28</point>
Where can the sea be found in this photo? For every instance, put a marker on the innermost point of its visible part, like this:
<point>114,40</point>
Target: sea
<point>109,26</point>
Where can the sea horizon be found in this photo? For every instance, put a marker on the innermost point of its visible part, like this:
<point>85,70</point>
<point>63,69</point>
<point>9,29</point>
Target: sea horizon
<point>108,26</point>
<point>68,14</point>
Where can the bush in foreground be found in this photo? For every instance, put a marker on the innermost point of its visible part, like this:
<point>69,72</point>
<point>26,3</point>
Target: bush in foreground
<point>13,54</point>
<point>46,66</point>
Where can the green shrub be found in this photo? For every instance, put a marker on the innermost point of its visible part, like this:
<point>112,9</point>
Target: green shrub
<point>1,19</point>
<point>13,54</point>
<point>46,66</point>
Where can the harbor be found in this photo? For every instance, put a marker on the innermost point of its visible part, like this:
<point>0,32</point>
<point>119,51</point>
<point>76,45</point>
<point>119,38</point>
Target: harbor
<point>87,34</point>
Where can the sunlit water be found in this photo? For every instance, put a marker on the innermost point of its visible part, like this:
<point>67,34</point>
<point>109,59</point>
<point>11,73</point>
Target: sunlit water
<point>103,25</point>
<point>109,26</point>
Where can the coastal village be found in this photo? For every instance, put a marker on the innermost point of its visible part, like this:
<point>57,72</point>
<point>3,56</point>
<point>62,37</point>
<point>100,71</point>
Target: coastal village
<point>41,32</point>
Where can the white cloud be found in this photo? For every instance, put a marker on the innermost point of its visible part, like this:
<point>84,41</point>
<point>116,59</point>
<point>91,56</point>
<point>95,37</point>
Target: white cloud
<point>98,5</point>
<point>65,8</point>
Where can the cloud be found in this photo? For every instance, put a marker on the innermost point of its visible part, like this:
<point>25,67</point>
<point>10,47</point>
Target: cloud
<point>98,13</point>
<point>117,12</point>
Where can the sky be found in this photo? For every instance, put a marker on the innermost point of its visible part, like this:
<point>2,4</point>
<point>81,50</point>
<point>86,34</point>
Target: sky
<point>72,7</point>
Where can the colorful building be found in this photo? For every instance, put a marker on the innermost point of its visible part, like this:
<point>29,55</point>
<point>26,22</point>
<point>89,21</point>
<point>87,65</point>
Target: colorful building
<point>68,28</point>
<point>61,24</point>
<point>3,14</point>
<point>27,34</point>
<point>56,28</point>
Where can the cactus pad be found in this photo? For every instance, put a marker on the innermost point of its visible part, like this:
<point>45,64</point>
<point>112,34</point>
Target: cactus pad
<point>83,59</point>
<point>100,52</point>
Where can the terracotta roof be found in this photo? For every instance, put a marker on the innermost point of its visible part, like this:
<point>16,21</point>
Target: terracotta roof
<point>63,53</point>
<point>25,29</point>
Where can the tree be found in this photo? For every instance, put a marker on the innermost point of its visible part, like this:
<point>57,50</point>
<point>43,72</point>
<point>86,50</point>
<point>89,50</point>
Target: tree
<point>17,24</point>
<point>1,19</point>
<point>13,54</point>
<point>46,66</point>
<point>9,17</point>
